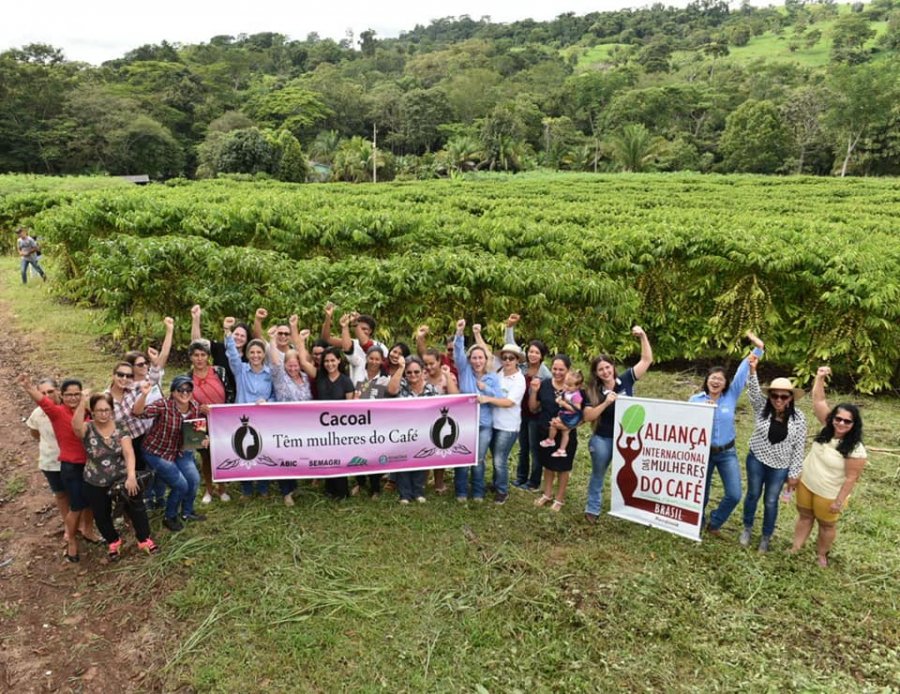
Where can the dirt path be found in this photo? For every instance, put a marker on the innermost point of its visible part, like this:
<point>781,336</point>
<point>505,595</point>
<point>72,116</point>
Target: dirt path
<point>83,627</point>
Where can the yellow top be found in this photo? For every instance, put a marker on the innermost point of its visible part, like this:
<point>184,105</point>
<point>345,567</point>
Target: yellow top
<point>823,470</point>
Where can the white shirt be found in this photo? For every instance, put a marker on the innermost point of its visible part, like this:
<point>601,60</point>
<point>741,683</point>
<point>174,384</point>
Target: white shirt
<point>513,387</point>
<point>48,449</point>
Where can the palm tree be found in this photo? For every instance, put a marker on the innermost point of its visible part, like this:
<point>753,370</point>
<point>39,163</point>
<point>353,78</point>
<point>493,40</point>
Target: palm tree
<point>324,147</point>
<point>463,153</point>
<point>634,148</point>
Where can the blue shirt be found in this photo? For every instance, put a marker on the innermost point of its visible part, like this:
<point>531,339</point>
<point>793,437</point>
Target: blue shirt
<point>251,385</point>
<point>468,381</point>
<point>723,417</point>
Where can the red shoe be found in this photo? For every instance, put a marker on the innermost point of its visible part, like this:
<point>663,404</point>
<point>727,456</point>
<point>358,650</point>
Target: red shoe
<point>114,548</point>
<point>148,546</point>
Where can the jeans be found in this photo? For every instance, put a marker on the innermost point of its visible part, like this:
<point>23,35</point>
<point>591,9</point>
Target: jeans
<point>529,471</point>
<point>411,485</point>
<point>262,487</point>
<point>461,474</point>
<point>34,264</point>
<point>156,491</point>
<point>181,476</point>
<point>730,472</point>
<point>501,445</point>
<point>601,450</point>
<point>760,475</point>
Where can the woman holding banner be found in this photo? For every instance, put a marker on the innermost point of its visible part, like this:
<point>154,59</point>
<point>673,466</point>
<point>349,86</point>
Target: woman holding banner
<point>830,471</point>
<point>604,386</point>
<point>723,393</point>
<point>776,450</point>
<point>411,483</point>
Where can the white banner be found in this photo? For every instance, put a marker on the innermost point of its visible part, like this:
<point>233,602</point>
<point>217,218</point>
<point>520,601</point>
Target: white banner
<point>659,464</point>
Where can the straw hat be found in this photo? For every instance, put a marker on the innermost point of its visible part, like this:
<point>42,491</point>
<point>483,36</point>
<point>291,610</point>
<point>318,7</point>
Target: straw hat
<point>785,384</point>
<point>510,348</point>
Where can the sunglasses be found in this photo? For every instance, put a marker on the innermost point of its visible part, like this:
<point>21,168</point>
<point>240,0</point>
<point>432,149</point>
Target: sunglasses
<point>282,334</point>
<point>509,357</point>
<point>119,374</point>
<point>780,396</point>
<point>140,364</point>
<point>411,372</point>
<point>842,420</point>
<point>184,390</point>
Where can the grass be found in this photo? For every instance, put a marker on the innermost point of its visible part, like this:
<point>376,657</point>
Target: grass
<point>371,596</point>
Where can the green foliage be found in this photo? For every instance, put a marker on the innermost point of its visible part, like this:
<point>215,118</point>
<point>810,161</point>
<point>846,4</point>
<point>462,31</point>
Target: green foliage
<point>809,263</point>
<point>755,139</point>
<point>634,148</point>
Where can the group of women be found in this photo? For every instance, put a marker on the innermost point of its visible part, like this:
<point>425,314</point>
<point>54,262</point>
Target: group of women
<point>134,428</point>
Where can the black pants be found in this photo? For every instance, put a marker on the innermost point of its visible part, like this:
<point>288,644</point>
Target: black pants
<point>101,504</point>
<point>337,487</point>
<point>372,482</point>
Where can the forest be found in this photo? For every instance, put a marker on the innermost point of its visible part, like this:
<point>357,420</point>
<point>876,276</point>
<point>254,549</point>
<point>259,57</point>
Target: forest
<point>804,88</point>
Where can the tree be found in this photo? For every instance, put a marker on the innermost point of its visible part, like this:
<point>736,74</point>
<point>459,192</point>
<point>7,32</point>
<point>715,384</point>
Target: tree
<point>462,153</point>
<point>848,36</point>
<point>634,148</point>
<point>859,98</point>
<point>803,113</point>
<point>324,147</point>
<point>291,165</point>
<point>755,139</point>
<point>421,112</point>
<point>246,151</point>
<point>292,107</point>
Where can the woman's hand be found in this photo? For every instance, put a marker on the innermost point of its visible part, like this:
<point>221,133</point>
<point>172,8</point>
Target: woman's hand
<point>460,326</point>
<point>753,361</point>
<point>146,387</point>
<point>557,422</point>
<point>535,384</point>
<point>304,335</point>
<point>196,311</point>
<point>422,331</point>
<point>329,309</point>
<point>513,320</point>
<point>261,314</point>
<point>272,333</point>
<point>823,372</point>
<point>755,340</point>
<point>154,355</point>
<point>638,332</point>
<point>131,485</point>
<point>836,506</point>
<point>228,324</point>
<point>792,483</point>
<point>204,408</point>
<point>169,322</point>
<point>344,320</point>
<point>476,329</point>
<point>294,321</point>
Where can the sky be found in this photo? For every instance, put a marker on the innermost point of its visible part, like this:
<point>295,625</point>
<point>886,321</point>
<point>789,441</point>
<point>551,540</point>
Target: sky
<point>102,30</point>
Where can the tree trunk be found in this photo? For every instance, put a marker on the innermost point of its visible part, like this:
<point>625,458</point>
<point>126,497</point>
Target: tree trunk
<point>851,145</point>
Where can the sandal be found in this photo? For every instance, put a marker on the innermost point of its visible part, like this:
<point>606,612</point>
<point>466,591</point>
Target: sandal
<point>560,453</point>
<point>557,505</point>
<point>822,560</point>
<point>148,546</point>
<point>71,558</point>
<point>543,500</point>
<point>546,443</point>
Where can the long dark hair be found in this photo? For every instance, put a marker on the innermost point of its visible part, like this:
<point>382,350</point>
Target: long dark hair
<point>852,438</point>
<point>789,410</point>
<point>342,363</point>
<point>594,386</point>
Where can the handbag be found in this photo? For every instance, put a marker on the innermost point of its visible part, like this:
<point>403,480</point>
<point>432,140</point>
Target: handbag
<point>144,480</point>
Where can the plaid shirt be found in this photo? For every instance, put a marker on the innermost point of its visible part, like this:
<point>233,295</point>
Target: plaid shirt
<point>136,426</point>
<point>164,438</point>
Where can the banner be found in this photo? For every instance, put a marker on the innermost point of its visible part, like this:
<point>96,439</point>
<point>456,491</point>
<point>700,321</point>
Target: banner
<point>336,438</point>
<point>659,464</point>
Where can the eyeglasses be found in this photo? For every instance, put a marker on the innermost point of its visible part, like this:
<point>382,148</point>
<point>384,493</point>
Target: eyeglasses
<point>78,395</point>
<point>281,333</point>
<point>140,364</point>
<point>780,396</point>
<point>119,374</point>
<point>842,420</point>
<point>509,357</point>
<point>104,410</point>
<point>415,372</point>
<point>184,390</point>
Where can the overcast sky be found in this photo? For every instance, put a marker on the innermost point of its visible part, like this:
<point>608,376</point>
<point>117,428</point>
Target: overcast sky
<point>101,30</point>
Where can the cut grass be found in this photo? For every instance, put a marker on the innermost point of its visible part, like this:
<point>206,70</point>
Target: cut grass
<point>367,595</point>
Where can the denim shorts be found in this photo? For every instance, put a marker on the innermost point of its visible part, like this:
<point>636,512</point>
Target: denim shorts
<point>72,476</point>
<point>54,479</point>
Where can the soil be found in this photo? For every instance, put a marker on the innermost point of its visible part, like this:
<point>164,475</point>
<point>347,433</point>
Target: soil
<point>86,627</point>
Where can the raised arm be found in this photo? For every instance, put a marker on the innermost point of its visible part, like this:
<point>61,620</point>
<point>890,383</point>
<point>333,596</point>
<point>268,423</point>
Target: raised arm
<point>326,327</point>
<point>451,385</point>
<point>646,352</point>
<point>820,404</point>
<point>231,352</point>
<point>346,343</point>
<point>306,362</point>
<point>754,392</point>
<point>78,415</point>
<point>479,340</point>
<point>743,370</point>
<point>509,335</point>
<point>459,347</point>
<point>258,318</point>
<point>196,333</point>
<point>393,386</point>
<point>166,348</point>
<point>140,404</point>
<point>273,354</point>
<point>421,346</point>
<point>24,381</point>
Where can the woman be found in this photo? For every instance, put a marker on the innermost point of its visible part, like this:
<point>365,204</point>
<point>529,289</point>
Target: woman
<point>291,384</point>
<point>377,384</point>
<point>542,399</point>
<point>332,383</point>
<point>411,483</point>
<point>163,448</point>
<point>110,459</point>
<point>253,380</point>
<point>507,416</point>
<point>776,450</point>
<point>529,470</point>
<point>210,388</point>
<point>48,453</point>
<point>830,471</point>
<point>604,386</point>
<point>724,394</point>
<point>474,377</point>
<point>439,376</point>
<point>241,334</point>
<point>72,457</point>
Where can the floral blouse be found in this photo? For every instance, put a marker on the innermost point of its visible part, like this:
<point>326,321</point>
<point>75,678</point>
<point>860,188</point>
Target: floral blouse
<point>105,462</point>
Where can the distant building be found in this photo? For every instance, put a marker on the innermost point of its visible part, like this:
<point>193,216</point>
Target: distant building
<point>141,179</point>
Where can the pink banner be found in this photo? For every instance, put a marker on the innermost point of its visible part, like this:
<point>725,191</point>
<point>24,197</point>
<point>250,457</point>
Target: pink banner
<point>336,438</point>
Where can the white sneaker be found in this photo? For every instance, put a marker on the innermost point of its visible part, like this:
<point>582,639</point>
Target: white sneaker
<point>288,500</point>
<point>207,498</point>
<point>420,499</point>
<point>224,497</point>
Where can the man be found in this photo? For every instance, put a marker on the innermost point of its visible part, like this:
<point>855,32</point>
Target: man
<point>28,252</point>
